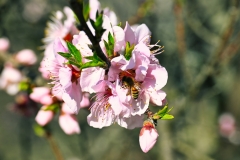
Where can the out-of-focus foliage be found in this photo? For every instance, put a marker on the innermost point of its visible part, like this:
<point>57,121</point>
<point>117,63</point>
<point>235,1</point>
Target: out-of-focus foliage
<point>201,40</point>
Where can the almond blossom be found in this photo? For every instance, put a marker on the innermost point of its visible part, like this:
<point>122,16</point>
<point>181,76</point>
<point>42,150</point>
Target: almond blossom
<point>26,57</point>
<point>148,136</point>
<point>65,78</point>
<point>8,81</point>
<point>4,44</point>
<point>68,121</point>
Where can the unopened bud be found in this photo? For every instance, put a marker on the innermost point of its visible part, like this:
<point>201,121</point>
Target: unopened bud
<point>148,136</point>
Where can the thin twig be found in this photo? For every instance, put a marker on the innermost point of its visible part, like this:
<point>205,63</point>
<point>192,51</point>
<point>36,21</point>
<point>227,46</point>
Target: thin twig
<point>231,50</point>
<point>54,147</point>
<point>180,33</point>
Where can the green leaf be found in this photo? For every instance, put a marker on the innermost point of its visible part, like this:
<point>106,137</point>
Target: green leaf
<point>94,64</point>
<point>86,11</point>
<point>75,52</point>
<point>111,40</point>
<point>97,25</point>
<point>128,51</point>
<point>119,24</point>
<point>53,107</point>
<point>167,117</point>
<point>99,21</point>
<point>65,55</point>
<point>39,130</point>
<point>163,111</point>
<point>163,114</point>
<point>89,57</point>
<point>109,45</point>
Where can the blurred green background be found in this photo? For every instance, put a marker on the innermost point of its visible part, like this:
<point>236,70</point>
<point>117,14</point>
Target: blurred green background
<point>201,39</point>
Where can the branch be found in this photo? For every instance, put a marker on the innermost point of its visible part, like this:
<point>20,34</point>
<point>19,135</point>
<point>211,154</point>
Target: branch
<point>54,147</point>
<point>180,35</point>
<point>77,7</point>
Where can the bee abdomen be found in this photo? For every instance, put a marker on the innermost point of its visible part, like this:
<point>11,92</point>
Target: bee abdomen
<point>134,93</point>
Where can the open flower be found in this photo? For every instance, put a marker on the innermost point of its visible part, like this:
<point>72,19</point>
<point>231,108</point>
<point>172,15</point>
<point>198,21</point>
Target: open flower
<point>65,78</point>
<point>107,106</point>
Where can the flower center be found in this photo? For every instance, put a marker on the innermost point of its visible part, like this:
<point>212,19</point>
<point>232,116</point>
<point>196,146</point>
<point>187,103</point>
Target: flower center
<point>75,74</point>
<point>68,37</point>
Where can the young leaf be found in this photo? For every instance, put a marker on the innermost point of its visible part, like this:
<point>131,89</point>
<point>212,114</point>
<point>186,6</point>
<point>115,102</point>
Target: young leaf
<point>128,51</point>
<point>86,10</point>
<point>39,130</point>
<point>53,107</point>
<point>163,111</point>
<point>75,52</point>
<point>94,64</point>
<point>65,55</point>
<point>167,117</point>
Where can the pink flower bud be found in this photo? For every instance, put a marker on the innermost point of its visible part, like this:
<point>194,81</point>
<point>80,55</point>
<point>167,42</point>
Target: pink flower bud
<point>69,123</point>
<point>41,95</point>
<point>226,124</point>
<point>26,57</point>
<point>8,81</point>
<point>4,44</point>
<point>44,117</point>
<point>148,136</point>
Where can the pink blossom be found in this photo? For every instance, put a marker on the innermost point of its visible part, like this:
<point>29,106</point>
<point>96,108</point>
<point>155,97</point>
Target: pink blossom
<point>141,34</point>
<point>60,27</point>
<point>42,95</point>
<point>85,100</point>
<point>65,79</point>
<point>44,116</point>
<point>4,44</point>
<point>94,7</point>
<point>8,81</point>
<point>107,106</point>
<point>148,136</point>
<point>68,121</point>
<point>117,33</point>
<point>226,124</point>
<point>26,57</point>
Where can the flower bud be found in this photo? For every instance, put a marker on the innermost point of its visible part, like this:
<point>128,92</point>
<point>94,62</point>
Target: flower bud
<point>4,44</point>
<point>26,57</point>
<point>226,124</point>
<point>8,81</point>
<point>41,95</point>
<point>44,117</point>
<point>68,121</point>
<point>148,136</point>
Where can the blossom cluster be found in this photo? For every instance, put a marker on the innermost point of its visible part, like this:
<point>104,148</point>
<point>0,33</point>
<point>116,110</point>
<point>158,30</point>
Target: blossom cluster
<point>123,85</point>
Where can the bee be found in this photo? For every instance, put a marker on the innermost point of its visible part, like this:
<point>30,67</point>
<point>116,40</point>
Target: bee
<point>132,86</point>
